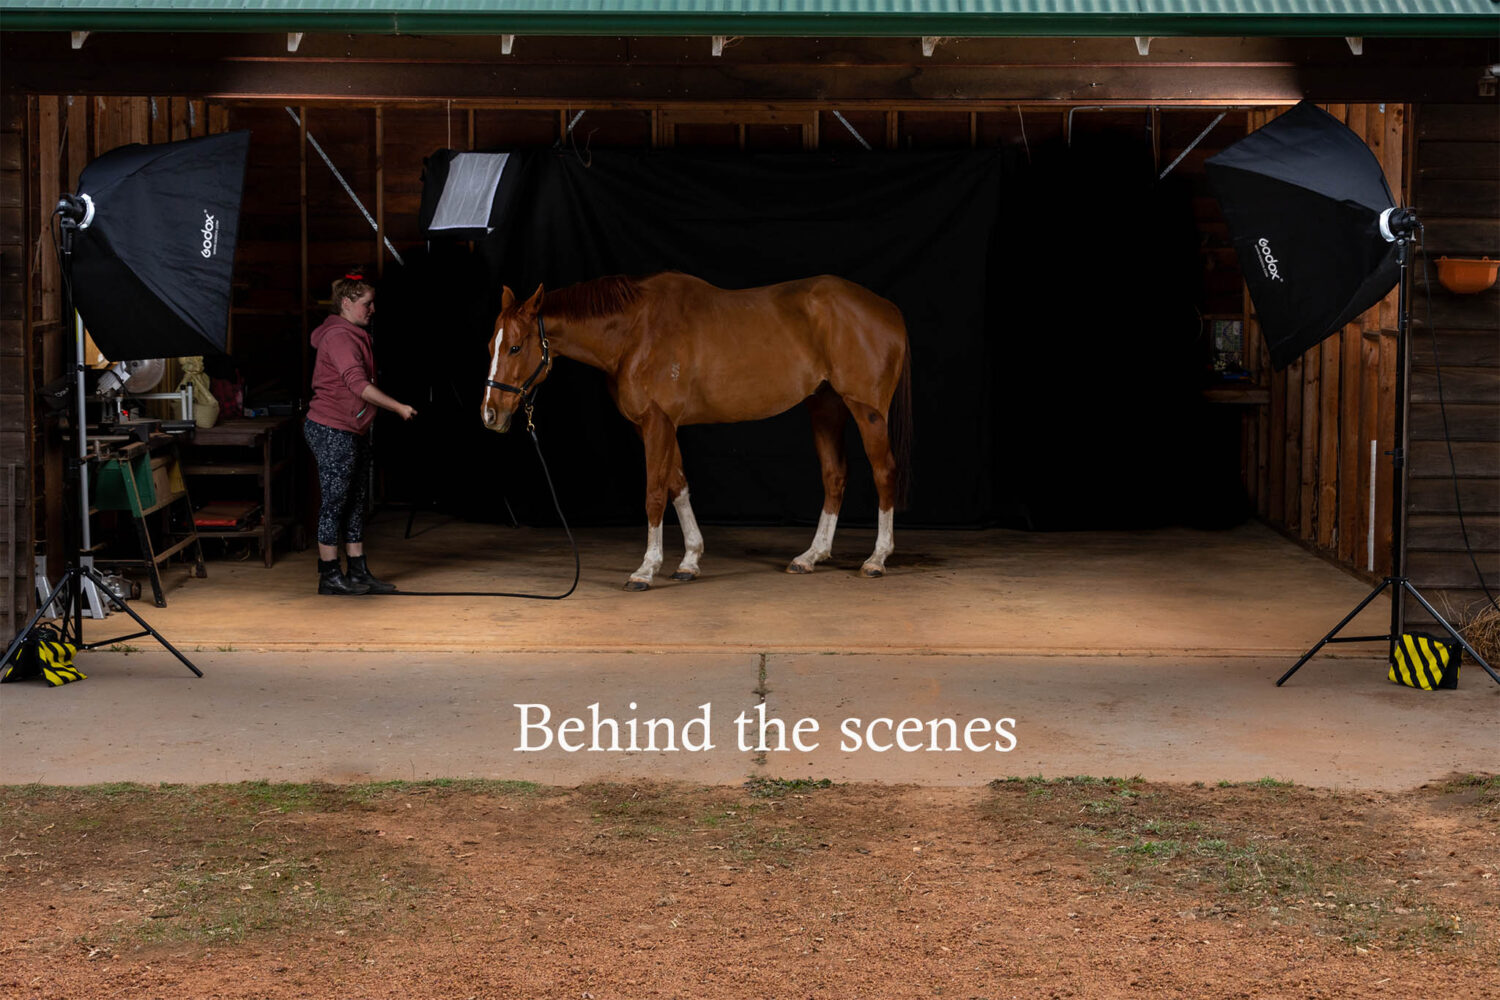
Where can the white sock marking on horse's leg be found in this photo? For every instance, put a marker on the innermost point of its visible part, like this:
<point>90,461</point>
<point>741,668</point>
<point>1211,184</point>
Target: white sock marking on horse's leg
<point>692,538</point>
<point>822,543</point>
<point>653,556</point>
<point>884,542</point>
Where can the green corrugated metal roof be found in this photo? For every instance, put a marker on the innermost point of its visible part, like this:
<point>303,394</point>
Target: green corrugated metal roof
<point>972,18</point>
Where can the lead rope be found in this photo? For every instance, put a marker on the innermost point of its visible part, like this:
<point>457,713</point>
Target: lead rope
<point>530,429</point>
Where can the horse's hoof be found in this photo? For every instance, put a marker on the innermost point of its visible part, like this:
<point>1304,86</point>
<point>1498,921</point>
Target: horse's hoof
<point>796,567</point>
<point>683,574</point>
<point>637,585</point>
<point>873,572</point>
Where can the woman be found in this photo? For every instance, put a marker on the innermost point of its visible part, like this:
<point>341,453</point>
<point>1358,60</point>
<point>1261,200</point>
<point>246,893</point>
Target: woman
<point>337,430</point>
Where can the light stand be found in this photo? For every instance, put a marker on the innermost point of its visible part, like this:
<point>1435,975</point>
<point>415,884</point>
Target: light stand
<point>80,580</point>
<point>1397,224</point>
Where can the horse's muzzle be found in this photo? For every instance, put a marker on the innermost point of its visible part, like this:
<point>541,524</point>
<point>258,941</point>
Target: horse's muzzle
<point>495,420</point>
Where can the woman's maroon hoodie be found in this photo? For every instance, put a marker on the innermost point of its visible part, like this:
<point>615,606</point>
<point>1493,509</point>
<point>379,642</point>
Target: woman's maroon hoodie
<point>346,364</point>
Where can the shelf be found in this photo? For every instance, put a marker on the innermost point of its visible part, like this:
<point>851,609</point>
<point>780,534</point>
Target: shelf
<point>233,468</point>
<point>1243,395</point>
<point>271,439</point>
<point>272,532</point>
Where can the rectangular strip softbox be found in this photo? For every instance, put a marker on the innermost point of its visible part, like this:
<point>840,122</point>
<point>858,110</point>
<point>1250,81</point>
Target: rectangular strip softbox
<point>465,195</point>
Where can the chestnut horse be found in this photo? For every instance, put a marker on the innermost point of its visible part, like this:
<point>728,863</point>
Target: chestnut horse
<point>676,350</point>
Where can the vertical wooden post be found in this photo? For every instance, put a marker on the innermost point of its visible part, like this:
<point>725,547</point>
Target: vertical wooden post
<point>1291,470</point>
<point>380,190</point>
<point>1307,487</point>
<point>139,111</point>
<point>1353,453</point>
<point>49,188</point>
<point>302,230</point>
<point>1393,160</point>
<point>160,109</point>
<point>78,139</point>
<point>177,118</point>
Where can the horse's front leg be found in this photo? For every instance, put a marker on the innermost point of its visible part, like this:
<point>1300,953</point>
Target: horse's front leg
<point>660,440</point>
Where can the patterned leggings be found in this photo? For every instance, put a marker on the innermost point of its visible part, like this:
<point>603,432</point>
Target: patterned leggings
<point>343,476</point>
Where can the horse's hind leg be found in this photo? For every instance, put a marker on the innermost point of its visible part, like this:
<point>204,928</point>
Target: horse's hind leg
<point>828,418</point>
<point>877,439</point>
<point>692,538</point>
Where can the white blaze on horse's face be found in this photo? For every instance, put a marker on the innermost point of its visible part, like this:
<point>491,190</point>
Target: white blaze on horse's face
<point>496,412</point>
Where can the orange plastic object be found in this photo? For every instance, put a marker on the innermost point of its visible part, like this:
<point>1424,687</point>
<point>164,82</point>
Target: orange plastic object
<point>1466,275</point>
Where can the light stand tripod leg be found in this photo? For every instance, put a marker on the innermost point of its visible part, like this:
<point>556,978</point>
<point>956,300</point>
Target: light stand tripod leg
<point>74,580</point>
<point>1406,586</point>
<point>148,630</point>
<point>41,612</point>
<point>1335,631</point>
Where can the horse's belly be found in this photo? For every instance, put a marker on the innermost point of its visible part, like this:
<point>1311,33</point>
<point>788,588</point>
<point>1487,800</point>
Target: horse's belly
<point>748,397</point>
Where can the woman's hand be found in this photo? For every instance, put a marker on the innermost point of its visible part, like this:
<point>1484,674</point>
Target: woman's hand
<point>406,412</point>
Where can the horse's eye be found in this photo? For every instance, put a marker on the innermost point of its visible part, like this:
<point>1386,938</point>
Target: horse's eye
<point>515,349</point>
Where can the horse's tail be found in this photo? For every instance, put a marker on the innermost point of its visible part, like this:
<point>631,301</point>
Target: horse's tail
<point>899,426</point>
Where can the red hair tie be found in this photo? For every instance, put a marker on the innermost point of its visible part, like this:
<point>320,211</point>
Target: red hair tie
<point>354,277</point>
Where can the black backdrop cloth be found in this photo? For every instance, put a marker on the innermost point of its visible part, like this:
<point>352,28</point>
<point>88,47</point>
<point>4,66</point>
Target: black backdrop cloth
<point>996,430</point>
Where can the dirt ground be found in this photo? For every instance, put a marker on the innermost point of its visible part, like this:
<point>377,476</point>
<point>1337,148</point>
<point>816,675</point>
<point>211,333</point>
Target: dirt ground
<point>1071,887</point>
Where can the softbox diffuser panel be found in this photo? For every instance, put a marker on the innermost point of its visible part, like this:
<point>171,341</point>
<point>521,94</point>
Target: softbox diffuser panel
<point>466,195</point>
<point>152,272</point>
<point>1302,198</point>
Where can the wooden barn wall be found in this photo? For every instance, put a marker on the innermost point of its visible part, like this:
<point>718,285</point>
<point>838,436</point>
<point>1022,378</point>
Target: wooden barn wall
<point>16,603</point>
<point>1308,453</point>
<point>1455,392</point>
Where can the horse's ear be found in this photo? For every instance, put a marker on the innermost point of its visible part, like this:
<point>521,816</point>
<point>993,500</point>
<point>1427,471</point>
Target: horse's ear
<point>507,298</point>
<point>534,304</point>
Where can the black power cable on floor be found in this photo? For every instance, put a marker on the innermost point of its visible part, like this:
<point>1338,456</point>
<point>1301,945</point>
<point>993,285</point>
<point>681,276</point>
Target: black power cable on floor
<point>498,593</point>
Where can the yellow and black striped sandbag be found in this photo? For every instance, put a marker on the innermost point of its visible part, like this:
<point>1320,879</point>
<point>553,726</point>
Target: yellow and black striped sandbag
<point>43,655</point>
<point>1427,662</point>
<point>57,663</point>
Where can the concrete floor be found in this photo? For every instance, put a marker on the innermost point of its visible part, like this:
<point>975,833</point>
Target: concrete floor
<point>1169,592</point>
<point>1120,654</point>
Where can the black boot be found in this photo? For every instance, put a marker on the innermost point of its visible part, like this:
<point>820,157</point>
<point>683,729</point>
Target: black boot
<point>331,581</point>
<point>359,574</point>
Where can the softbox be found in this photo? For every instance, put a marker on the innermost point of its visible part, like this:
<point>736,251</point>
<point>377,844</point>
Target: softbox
<point>152,266</point>
<point>1303,198</point>
<point>466,195</point>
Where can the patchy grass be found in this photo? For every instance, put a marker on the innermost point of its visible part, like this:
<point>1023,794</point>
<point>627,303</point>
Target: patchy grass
<point>1212,847</point>
<point>214,864</point>
<point>775,788</point>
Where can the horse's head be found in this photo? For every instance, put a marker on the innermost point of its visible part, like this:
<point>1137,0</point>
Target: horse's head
<point>519,359</point>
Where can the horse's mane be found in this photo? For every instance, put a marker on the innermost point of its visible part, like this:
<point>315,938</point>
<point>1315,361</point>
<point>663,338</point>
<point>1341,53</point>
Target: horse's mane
<point>591,299</point>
